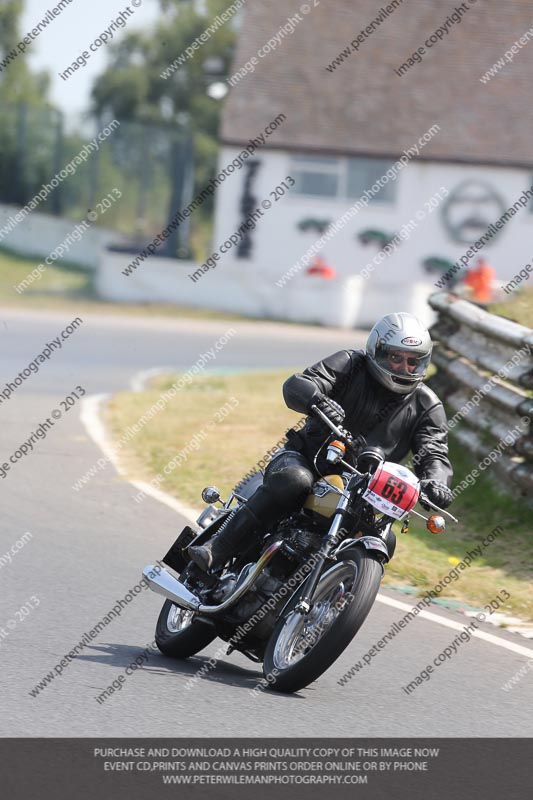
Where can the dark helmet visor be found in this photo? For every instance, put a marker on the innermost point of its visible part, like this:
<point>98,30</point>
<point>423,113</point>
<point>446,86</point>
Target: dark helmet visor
<point>402,362</point>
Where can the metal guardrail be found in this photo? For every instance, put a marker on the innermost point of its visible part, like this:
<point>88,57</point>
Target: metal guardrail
<point>485,376</point>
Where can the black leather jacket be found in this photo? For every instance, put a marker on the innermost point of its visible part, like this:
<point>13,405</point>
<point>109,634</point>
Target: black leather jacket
<point>397,423</point>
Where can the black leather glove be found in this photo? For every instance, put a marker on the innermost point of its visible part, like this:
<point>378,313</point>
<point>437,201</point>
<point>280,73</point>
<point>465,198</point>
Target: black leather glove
<point>333,411</point>
<point>436,492</point>
<point>357,443</point>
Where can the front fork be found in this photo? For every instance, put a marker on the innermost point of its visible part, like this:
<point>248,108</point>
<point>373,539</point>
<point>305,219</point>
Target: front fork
<point>377,544</point>
<point>304,605</point>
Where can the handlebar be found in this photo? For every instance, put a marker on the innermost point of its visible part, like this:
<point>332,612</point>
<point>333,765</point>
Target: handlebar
<point>423,498</point>
<point>350,442</point>
<point>342,433</point>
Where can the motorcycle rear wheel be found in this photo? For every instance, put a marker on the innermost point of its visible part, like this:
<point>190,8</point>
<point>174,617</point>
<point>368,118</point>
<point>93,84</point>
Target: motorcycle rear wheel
<point>303,647</point>
<point>178,634</point>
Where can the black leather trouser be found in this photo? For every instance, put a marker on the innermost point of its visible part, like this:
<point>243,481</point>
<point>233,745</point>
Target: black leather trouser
<point>287,481</point>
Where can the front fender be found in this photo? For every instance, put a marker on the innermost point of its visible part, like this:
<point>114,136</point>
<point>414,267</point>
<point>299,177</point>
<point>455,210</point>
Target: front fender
<point>372,543</point>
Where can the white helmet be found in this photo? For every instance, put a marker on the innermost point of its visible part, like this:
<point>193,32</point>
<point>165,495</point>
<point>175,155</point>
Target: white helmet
<point>398,352</point>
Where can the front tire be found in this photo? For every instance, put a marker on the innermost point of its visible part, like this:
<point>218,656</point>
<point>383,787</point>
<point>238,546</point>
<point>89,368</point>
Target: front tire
<point>178,634</point>
<point>303,647</point>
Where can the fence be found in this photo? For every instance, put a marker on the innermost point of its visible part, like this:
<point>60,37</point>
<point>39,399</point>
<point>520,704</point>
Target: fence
<point>485,375</point>
<point>152,164</point>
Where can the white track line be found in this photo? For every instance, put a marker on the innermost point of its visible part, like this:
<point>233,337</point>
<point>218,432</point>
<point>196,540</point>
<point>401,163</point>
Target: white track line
<point>91,419</point>
<point>140,379</point>
<point>90,416</point>
<point>448,623</point>
<point>190,514</point>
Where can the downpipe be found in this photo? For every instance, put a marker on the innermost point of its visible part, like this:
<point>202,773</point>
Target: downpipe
<point>168,586</point>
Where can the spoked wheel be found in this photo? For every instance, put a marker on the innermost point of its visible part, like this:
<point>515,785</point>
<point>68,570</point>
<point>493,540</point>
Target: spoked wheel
<point>303,646</point>
<point>178,634</point>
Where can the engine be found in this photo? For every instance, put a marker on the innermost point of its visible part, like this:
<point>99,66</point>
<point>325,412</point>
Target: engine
<point>302,537</point>
<point>301,533</point>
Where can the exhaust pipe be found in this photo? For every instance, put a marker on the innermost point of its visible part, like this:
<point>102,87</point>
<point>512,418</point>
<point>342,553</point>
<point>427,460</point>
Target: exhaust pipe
<point>163,583</point>
<point>173,590</point>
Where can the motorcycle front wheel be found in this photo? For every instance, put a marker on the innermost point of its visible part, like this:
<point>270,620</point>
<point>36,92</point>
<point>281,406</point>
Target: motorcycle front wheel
<point>178,634</point>
<point>303,646</point>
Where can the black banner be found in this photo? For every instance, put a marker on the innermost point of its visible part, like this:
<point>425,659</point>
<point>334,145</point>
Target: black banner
<point>136,769</point>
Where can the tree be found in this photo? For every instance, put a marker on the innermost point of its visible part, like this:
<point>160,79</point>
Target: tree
<point>23,97</point>
<point>17,83</point>
<point>132,87</point>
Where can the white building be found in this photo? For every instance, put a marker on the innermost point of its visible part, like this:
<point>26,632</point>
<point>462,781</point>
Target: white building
<point>328,73</point>
<point>345,128</point>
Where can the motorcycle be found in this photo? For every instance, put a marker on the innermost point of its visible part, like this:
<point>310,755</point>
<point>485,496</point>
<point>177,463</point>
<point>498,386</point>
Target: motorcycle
<point>294,599</point>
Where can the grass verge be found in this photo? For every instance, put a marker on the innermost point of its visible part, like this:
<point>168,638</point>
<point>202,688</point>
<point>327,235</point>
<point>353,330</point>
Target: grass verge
<point>67,286</point>
<point>234,445</point>
<point>518,308</point>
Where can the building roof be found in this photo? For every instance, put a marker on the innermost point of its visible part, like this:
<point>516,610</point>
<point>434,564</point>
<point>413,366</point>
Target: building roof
<point>363,107</point>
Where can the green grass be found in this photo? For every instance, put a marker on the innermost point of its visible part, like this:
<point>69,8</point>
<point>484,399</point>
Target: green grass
<point>67,281</point>
<point>232,448</point>
<point>505,564</point>
<point>519,307</point>
<point>67,286</point>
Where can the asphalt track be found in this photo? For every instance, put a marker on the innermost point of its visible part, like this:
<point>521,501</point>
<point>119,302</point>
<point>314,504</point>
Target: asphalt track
<point>87,550</point>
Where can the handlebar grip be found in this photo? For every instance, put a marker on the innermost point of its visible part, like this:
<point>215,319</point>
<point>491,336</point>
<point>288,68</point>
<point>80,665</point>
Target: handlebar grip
<point>425,502</point>
<point>355,444</point>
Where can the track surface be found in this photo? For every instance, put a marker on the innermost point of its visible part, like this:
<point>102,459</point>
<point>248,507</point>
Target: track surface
<point>88,549</point>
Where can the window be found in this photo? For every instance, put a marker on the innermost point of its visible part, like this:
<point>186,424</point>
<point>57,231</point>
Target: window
<point>362,173</point>
<point>322,176</point>
<point>317,184</point>
<point>316,176</point>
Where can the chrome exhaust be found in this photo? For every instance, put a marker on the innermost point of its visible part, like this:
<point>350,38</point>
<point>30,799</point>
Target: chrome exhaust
<point>168,586</point>
<point>163,583</point>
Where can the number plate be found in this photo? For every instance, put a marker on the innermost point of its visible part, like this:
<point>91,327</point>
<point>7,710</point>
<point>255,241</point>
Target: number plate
<point>394,490</point>
<point>175,557</point>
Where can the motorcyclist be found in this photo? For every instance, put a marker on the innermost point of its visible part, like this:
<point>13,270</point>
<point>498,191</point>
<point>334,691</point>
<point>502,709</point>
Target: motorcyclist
<point>377,393</point>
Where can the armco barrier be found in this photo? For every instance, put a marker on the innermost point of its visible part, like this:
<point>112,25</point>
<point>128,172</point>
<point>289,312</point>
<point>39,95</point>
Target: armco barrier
<point>485,375</point>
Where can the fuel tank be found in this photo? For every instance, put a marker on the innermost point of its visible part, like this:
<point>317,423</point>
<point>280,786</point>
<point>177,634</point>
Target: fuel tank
<point>323,498</point>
